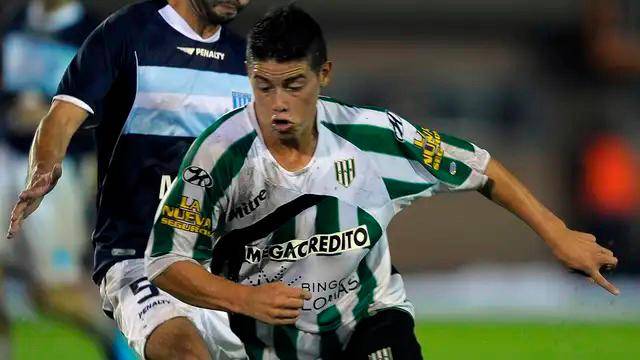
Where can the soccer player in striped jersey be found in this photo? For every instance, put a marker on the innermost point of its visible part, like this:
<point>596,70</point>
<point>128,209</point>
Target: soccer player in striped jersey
<point>299,189</point>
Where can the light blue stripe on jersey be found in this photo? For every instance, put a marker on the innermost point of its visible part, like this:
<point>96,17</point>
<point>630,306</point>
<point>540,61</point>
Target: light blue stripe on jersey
<point>204,90</point>
<point>160,79</point>
<point>168,123</point>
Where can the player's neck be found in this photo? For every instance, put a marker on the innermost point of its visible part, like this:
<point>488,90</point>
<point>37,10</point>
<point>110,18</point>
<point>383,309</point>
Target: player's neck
<point>295,153</point>
<point>202,28</point>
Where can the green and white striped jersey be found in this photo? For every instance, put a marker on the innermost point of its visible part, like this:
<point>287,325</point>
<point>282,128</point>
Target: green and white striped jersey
<point>322,228</point>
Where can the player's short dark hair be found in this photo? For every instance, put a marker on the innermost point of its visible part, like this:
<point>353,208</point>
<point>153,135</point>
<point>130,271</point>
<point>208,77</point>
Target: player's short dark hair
<point>285,34</point>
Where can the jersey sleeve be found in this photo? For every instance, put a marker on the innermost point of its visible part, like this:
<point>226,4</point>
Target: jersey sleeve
<point>93,70</point>
<point>191,217</point>
<point>427,162</point>
<point>188,215</point>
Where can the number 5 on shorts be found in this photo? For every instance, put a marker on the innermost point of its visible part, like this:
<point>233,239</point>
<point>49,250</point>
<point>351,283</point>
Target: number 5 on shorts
<point>142,284</point>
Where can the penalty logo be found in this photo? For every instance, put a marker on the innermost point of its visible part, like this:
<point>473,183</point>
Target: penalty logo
<point>197,176</point>
<point>345,171</point>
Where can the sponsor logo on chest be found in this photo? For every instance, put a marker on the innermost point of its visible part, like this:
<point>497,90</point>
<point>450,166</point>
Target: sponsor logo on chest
<point>211,54</point>
<point>248,207</point>
<point>323,244</point>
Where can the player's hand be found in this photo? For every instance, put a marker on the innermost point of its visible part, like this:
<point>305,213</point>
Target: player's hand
<point>41,182</point>
<point>580,253</point>
<point>275,303</point>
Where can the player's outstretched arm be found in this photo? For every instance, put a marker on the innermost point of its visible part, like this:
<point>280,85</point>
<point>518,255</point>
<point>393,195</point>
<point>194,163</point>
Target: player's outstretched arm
<point>576,250</point>
<point>273,303</point>
<point>45,158</point>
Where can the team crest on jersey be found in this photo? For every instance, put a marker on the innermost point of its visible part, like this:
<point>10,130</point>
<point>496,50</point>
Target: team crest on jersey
<point>240,99</point>
<point>345,171</point>
<point>197,176</point>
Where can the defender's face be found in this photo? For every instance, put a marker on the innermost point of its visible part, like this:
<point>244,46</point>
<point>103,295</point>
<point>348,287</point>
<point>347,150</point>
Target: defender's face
<point>219,11</point>
<point>285,95</point>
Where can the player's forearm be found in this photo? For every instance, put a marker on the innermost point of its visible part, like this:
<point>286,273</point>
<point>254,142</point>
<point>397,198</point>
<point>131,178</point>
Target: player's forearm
<point>192,284</point>
<point>54,134</point>
<point>506,190</point>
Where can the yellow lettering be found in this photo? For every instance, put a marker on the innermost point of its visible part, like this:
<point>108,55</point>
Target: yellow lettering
<point>194,206</point>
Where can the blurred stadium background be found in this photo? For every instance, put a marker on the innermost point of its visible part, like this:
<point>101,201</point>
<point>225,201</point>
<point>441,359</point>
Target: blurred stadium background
<point>550,87</point>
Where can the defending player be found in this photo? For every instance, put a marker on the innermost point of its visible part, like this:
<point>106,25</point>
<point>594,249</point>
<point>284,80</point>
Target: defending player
<point>155,75</point>
<point>299,189</point>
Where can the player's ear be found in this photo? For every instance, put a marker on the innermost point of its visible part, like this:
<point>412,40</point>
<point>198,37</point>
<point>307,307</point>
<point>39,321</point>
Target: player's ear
<point>325,73</point>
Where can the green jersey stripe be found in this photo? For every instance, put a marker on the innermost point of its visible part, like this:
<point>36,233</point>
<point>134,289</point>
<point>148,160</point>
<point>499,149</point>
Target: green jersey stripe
<point>373,227</point>
<point>374,139</point>
<point>286,232</point>
<point>368,281</point>
<point>459,143</point>
<point>368,284</point>
<point>398,189</point>
<point>327,217</point>
<point>453,171</point>
<point>328,319</point>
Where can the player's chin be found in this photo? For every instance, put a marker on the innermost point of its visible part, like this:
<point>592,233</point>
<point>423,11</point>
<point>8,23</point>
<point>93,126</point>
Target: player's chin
<point>225,13</point>
<point>289,134</point>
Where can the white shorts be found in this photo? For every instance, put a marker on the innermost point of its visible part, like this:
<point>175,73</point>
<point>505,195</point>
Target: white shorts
<point>138,308</point>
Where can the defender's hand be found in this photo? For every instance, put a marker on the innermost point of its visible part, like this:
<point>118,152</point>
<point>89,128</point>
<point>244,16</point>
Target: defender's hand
<point>579,252</point>
<point>41,182</point>
<point>275,303</point>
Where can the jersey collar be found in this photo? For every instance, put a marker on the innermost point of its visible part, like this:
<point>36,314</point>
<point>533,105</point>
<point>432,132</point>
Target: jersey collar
<point>171,16</point>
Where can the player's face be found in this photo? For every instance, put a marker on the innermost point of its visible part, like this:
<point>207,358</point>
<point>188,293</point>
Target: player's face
<point>218,11</point>
<point>286,95</point>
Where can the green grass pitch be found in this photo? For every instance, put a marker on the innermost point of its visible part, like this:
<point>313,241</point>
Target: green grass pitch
<point>440,340</point>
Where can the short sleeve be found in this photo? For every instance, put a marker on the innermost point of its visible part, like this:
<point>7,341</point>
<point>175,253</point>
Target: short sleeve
<point>93,70</point>
<point>187,217</point>
<point>191,217</point>
<point>429,162</point>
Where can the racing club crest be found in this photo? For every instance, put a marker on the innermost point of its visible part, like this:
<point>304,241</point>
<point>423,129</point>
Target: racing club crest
<point>240,99</point>
<point>345,171</point>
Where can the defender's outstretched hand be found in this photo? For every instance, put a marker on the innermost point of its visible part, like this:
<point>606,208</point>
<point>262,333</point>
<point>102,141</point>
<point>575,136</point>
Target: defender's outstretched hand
<point>579,252</point>
<point>41,182</point>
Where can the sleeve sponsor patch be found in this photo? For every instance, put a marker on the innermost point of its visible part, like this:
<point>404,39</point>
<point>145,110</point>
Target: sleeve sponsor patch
<point>197,176</point>
<point>187,216</point>
<point>430,143</point>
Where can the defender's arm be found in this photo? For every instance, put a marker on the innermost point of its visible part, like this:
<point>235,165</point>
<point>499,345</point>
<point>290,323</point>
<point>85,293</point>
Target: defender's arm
<point>45,158</point>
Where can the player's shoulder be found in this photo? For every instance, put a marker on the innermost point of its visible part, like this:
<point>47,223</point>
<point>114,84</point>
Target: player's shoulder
<point>361,121</point>
<point>340,112</point>
<point>227,132</point>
